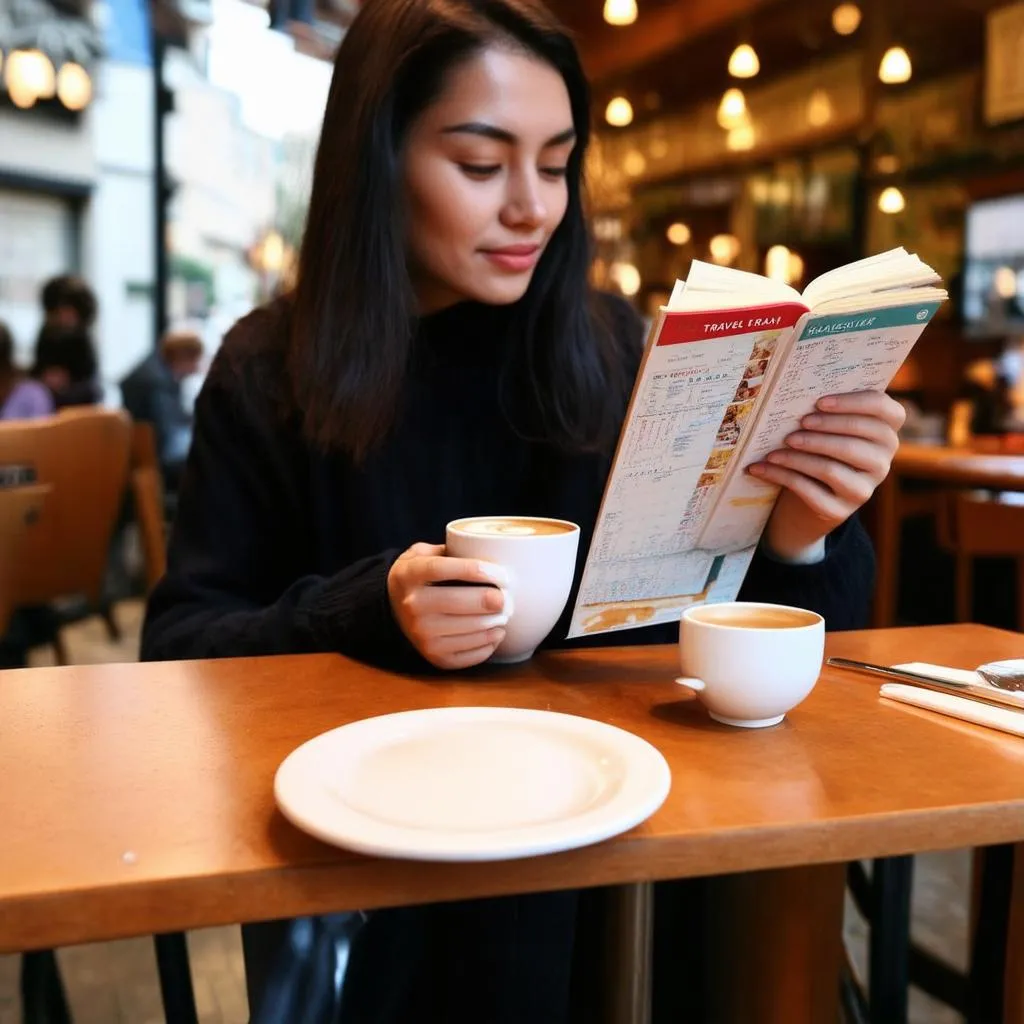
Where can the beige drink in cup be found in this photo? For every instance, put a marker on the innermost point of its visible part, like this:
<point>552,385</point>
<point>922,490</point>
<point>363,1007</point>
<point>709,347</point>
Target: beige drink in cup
<point>539,556</point>
<point>750,663</point>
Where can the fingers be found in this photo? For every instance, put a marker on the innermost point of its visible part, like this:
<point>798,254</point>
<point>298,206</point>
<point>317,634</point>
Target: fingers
<point>866,456</point>
<point>439,568</point>
<point>456,601</point>
<point>869,428</point>
<point>820,499</point>
<point>461,650</point>
<point>875,404</point>
<point>422,550</point>
<point>844,481</point>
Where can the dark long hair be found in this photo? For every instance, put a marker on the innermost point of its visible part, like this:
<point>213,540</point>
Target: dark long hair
<point>8,373</point>
<point>354,308</point>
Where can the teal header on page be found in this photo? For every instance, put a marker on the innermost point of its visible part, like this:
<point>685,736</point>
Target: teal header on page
<point>869,320</point>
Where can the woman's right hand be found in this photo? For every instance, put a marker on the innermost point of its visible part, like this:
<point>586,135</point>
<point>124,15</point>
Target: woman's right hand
<point>452,627</point>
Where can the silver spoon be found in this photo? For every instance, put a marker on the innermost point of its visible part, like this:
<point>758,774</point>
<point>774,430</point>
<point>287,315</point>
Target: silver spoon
<point>1005,675</point>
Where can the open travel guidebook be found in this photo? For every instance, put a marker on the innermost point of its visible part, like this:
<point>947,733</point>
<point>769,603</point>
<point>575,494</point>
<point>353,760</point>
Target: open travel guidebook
<point>732,364</point>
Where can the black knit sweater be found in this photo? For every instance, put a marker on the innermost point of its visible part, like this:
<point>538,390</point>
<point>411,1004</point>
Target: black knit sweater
<point>280,548</point>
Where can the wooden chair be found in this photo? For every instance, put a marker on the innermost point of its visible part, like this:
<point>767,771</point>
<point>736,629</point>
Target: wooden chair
<point>83,455</point>
<point>148,496</point>
<point>979,525</point>
<point>20,510</point>
<point>970,524</point>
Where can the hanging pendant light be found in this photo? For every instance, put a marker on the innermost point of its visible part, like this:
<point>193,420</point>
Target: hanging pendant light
<point>744,62</point>
<point>732,109</point>
<point>895,68</point>
<point>74,86</point>
<point>846,19</point>
<point>891,200</point>
<point>678,233</point>
<point>619,112</point>
<point>620,12</point>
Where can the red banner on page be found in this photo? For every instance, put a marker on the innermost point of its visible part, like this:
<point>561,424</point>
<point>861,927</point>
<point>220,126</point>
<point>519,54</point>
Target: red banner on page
<point>680,328</point>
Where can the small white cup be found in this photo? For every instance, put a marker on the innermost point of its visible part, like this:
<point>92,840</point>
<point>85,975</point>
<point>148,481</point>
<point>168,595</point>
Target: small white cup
<point>746,674</point>
<point>540,569</point>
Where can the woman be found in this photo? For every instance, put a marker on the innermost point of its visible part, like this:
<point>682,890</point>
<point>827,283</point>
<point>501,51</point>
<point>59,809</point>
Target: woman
<point>65,362</point>
<point>20,397</point>
<point>443,356</point>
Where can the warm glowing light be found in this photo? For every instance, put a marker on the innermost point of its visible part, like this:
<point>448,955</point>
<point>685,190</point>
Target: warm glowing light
<point>1005,283</point>
<point>887,163</point>
<point>740,138</point>
<point>744,62</point>
<point>732,109</point>
<point>74,86</point>
<point>895,68</point>
<point>678,233</point>
<point>619,112</point>
<point>29,77</point>
<point>620,12</point>
<point>846,19</point>
<point>891,200</point>
<point>626,276</point>
<point>659,149</point>
<point>796,268</point>
<point>634,163</point>
<point>776,263</point>
<point>724,248</point>
<point>819,109</point>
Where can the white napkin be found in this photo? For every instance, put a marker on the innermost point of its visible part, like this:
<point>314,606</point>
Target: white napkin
<point>1004,719</point>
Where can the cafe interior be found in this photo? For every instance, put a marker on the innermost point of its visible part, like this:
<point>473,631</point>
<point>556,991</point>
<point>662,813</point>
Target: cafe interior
<point>861,861</point>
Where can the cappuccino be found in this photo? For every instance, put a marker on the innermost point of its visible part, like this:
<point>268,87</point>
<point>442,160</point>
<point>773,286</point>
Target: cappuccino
<point>736,616</point>
<point>509,526</point>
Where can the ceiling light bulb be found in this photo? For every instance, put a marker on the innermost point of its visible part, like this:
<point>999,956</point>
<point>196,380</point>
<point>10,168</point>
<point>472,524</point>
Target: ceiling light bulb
<point>620,12</point>
<point>895,68</point>
<point>744,62</point>
<point>619,112</point>
<point>891,200</point>
<point>732,109</point>
<point>846,19</point>
<point>74,86</point>
<point>678,233</point>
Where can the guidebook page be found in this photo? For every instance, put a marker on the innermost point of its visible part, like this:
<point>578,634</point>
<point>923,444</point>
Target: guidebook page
<point>695,398</point>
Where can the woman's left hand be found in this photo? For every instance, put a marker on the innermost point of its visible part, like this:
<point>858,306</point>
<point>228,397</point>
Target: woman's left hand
<point>829,469</point>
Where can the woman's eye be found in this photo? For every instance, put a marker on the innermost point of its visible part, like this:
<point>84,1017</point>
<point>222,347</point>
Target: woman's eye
<point>554,172</point>
<point>480,171</point>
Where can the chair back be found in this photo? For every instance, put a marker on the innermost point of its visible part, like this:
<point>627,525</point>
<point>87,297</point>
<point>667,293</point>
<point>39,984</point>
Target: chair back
<point>148,493</point>
<point>21,510</point>
<point>83,455</point>
<point>983,527</point>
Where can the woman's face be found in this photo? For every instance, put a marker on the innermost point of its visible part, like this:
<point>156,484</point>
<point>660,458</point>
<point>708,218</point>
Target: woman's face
<point>485,179</point>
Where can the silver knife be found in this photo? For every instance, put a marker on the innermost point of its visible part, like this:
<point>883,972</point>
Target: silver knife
<point>973,691</point>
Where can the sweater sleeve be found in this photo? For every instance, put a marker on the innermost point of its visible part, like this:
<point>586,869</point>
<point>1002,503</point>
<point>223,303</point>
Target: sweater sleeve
<point>237,581</point>
<point>838,588</point>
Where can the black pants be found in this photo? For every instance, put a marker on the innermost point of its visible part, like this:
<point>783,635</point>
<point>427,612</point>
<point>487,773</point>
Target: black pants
<point>532,959</point>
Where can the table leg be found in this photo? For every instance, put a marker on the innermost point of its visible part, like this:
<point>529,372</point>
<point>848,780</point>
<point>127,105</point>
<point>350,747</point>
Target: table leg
<point>887,551</point>
<point>775,946</point>
<point>630,931</point>
<point>1014,1003</point>
<point>175,978</point>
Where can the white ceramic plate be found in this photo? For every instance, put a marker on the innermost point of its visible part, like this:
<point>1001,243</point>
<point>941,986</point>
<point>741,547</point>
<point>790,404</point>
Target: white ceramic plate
<point>471,784</point>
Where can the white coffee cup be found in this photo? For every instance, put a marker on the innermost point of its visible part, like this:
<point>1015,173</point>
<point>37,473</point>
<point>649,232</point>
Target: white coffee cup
<point>750,663</point>
<point>539,559</point>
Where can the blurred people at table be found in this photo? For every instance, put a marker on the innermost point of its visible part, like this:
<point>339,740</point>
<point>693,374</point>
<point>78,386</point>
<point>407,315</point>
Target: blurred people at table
<point>21,397</point>
<point>152,393</point>
<point>68,302</point>
<point>983,406</point>
<point>65,361</point>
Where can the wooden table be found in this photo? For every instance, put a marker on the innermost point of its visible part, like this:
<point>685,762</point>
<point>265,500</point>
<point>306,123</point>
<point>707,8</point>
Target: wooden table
<point>939,464</point>
<point>137,798</point>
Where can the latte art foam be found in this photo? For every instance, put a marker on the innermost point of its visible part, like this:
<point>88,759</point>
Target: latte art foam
<point>508,527</point>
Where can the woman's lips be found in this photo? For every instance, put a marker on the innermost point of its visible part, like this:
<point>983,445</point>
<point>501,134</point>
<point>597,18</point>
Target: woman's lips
<point>514,258</point>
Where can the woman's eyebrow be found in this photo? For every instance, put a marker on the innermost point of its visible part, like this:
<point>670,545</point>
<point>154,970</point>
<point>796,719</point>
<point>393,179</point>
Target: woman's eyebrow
<point>490,131</point>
